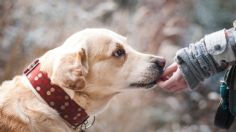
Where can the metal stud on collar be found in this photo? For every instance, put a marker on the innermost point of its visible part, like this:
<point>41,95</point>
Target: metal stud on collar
<point>86,125</point>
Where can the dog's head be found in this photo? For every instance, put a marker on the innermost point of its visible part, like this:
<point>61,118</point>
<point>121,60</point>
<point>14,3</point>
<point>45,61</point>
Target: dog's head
<point>101,61</point>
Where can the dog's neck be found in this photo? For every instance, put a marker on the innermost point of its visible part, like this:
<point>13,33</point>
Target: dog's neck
<point>92,101</point>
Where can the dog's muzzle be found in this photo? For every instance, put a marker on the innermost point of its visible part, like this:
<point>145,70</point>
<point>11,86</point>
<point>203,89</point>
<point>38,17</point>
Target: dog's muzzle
<point>155,70</point>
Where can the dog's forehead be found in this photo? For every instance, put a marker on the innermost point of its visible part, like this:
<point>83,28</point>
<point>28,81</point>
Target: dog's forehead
<point>101,33</point>
<point>98,36</point>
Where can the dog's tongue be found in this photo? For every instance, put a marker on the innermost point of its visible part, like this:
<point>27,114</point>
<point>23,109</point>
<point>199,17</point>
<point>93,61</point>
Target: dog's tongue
<point>162,79</point>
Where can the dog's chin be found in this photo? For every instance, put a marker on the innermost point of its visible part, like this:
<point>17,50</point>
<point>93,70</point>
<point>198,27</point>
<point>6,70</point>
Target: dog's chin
<point>148,82</point>
<point>146,85</point>
<point>143,85</point>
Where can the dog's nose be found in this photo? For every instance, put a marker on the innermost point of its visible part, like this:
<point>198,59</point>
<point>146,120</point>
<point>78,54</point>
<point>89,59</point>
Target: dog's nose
<point>159,62</point>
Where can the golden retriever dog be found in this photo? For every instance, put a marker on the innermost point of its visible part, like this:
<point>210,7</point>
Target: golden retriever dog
<point>91,67</point>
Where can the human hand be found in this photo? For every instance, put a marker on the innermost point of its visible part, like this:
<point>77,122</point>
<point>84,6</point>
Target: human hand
<point>172,79</point>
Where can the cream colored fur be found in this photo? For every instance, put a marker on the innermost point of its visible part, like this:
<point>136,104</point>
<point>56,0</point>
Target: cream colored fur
<point>86,67</point>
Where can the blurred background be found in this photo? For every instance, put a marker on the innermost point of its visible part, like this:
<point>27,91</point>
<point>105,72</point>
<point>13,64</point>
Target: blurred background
<point>28,28</point>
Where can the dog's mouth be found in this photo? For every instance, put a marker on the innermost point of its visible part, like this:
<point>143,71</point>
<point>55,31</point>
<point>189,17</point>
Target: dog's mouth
<point>144,85</point>
<point>150,80</point>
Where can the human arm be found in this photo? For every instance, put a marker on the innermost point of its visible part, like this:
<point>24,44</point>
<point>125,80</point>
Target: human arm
<point>201,60</point>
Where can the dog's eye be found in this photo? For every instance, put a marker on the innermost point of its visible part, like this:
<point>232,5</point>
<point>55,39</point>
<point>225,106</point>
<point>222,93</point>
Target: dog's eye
<point>119,53</point>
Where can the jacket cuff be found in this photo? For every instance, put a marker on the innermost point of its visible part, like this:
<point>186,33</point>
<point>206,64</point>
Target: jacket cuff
<point>188,71</point>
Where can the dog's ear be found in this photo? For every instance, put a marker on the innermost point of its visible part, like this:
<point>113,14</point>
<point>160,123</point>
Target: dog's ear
<point>71,70</point>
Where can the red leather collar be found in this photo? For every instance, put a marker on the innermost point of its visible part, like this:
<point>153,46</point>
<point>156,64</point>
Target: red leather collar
<point>55,96</point>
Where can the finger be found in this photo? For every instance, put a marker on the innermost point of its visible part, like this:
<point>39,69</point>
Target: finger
<point>176,88</point>
<point>173,89</point>
<point>166,85</point>
<point>181,90</point>
<point>170,69</point>
<point>173,84</point>
<point>181,86</point>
